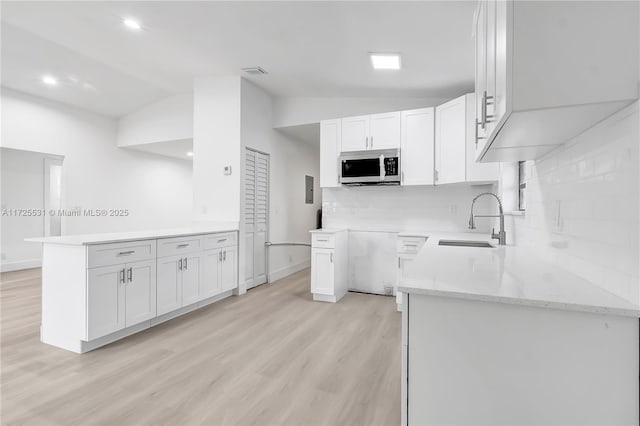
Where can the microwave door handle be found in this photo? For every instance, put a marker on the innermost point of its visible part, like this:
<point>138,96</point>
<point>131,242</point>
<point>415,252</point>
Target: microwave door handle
<point>382,170</point>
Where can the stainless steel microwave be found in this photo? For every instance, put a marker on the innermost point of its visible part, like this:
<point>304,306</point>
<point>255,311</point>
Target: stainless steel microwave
<point>374,167</point>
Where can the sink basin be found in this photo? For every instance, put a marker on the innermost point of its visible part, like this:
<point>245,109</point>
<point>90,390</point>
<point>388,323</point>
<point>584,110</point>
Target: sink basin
<point>465,243</point>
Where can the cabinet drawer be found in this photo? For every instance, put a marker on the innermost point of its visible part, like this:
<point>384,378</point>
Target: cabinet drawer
<point>179,245</point>
<point>225,239</point>
<point>410,244</point>
<point>113,254</point>
<point>323,241</point>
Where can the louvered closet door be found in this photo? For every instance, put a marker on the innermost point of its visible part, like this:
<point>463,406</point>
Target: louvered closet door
<point>256,216</point>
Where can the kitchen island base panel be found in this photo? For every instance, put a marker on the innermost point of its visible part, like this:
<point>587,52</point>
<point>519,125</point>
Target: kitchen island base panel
<point>81,346</point>
<point>473,362</point>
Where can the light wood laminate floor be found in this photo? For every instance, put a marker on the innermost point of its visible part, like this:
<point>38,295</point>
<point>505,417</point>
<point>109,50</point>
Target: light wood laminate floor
<point>272,356</point>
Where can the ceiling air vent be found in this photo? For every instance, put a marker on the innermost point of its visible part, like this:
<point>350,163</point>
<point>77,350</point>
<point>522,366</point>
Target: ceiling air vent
<point>255,71</point>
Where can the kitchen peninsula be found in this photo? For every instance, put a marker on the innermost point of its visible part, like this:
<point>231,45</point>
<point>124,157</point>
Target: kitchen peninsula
<point>513,340</point>
<point>102,287</point>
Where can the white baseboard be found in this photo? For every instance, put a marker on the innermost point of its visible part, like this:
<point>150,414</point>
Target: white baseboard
<point>288,270</point>
<point>20,264</point>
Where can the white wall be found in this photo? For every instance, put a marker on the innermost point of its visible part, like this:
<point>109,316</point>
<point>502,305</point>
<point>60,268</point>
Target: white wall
<point>96,173</point>
<point>290,218</point>
<point>216,144</point>
<point>301,110</point>
<point>395,208</point>
<point>170,119</point>
<point>583,205</point>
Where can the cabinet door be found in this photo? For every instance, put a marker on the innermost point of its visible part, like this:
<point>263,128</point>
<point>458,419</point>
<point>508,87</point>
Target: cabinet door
<point>105,300</point>
<point>385,131</point>
<point>490,68</point>
<point>191,274</point>
<point>330,143</point>
<point>322,271</point>
<point>140,291</point>
<point>169,284</point>
<point>355,133</point>
<point>481,67</point>
<point>210,285</point>
<point>417,149</point>
<point>228,267</point>
<point>502,37</point>
<point>477,172</point>
<point>450,142</point>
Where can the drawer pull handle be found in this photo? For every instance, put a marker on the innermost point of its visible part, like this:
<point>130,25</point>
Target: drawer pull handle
<point>322,241</point>
<point>185,263</point>
<point>222,240</point>
<point>126,253</point>
<point>183,245</point>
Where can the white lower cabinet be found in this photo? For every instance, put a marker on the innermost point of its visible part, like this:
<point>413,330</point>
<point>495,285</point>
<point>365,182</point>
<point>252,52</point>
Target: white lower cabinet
<point>140,292</point>
<point>120,296</point>
<point>210,273</point>
<point>220,268</point>
<point>228,269</point>
<point>169,284</point>
<point>329,265</point>
<point>95,293</point>
<point>323,272</point>
<point>105,299</point>
<point>191,278</point>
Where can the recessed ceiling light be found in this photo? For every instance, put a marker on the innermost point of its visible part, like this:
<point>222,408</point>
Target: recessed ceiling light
<point>190,154</point>
<point>385,61</point>
<point>49,80</point>
<point>132,24</point>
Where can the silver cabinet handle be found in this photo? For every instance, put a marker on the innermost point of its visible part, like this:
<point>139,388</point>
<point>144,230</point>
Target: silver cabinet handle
<point>130,274</point>
<point>224,256</point>
<point>321,241</point>
<point>185,263</point>
<point>180,265</point>
<point>220,257</point>
<point>126,253</point>
<point>366,142</point>
<point>398,262</point>
<point>436,175</point>
<point>122,279</point>
<point>183,245</point>
<point>331,257</point>
<point>371,141</point>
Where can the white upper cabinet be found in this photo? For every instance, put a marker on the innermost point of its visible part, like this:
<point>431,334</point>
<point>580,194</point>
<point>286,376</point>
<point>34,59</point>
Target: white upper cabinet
<point>355,133</point>
<point>366,132</point>
<point>455,145</point>
<point>547,71</point>
<point>450,149</point>
<point>330,143</point>
<point>385,131</point>
<point>417,147</point>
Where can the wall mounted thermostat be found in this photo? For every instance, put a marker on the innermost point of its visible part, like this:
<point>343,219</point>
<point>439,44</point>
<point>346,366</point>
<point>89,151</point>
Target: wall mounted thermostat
<point>227,170</point>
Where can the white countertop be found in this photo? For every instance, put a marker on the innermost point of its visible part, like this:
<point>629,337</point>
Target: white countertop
<point>132,236</point>
<point>327,230</point>
<point>506,274</point>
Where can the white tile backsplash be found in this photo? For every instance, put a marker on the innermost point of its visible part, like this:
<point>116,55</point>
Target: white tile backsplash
<point>583,205</point>
<point>395,208</point>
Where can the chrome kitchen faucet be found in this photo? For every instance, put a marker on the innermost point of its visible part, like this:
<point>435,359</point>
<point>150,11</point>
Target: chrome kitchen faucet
<point>501,236</point>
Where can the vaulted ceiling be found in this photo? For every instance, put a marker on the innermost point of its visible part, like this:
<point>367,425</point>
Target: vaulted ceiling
<point>315,49</point>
